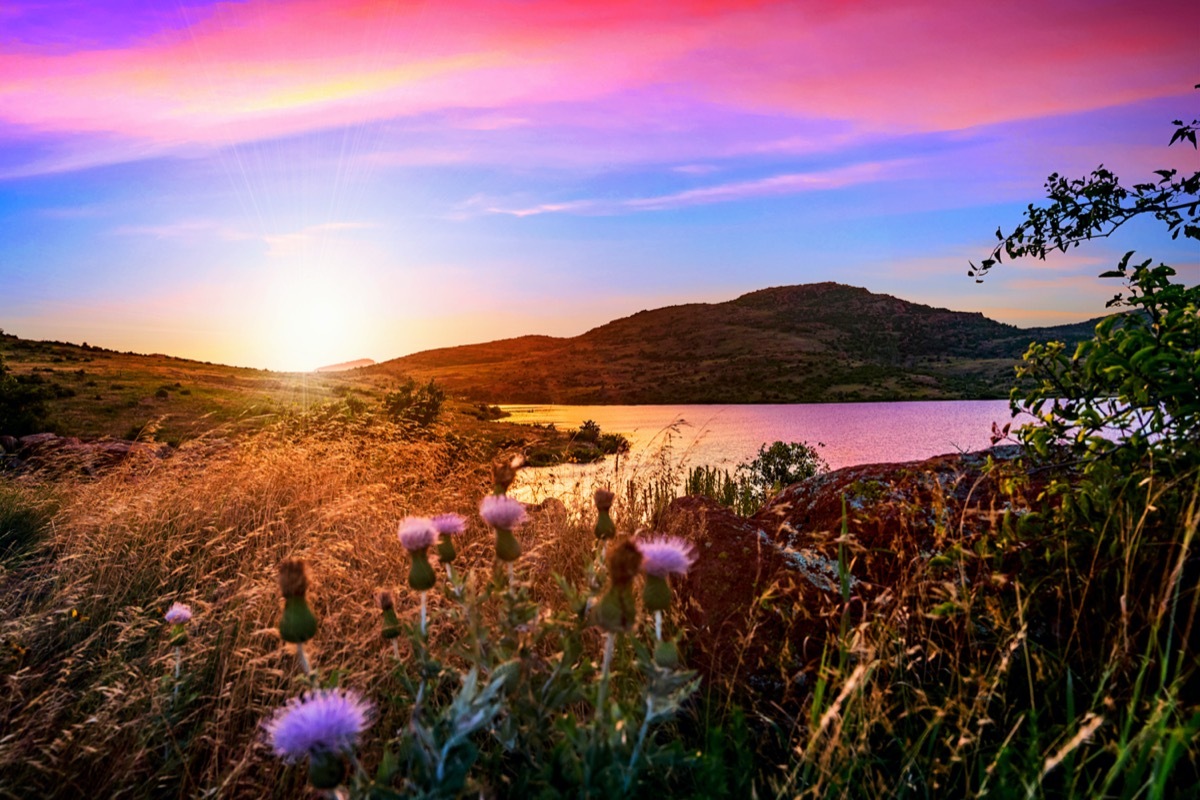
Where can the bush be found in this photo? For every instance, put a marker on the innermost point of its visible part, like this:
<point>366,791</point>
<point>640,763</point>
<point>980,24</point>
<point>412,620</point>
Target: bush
<point>415,402</point>
<point>23,407</point>
<point>782,464</point>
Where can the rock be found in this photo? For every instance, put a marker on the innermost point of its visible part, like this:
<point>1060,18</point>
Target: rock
<point>9,444</point>
<point>35,441</point>
<point>736,633</point>
<point>895,512</point>
<point>765,593</point>
<point>48,451</point>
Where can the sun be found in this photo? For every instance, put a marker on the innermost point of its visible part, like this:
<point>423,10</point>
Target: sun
<point>310,321</point>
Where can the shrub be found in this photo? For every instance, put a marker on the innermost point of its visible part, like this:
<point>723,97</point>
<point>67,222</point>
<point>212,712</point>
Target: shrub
<point>414,402</point>
<point>782,464</point>
<point>23,407</point>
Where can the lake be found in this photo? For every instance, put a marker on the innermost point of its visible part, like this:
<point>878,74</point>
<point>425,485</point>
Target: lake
<point>727,435</point>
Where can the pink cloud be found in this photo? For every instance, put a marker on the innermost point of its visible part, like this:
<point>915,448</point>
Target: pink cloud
<point>259,69</point>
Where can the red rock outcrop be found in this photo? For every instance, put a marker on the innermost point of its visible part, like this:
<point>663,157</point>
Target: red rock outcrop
<point>766,591</point>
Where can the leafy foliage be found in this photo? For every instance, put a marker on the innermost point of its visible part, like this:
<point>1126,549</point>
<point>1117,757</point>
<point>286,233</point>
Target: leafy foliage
<point>415,402</point>
<point>22,404</point>
<point>1096,206</point>
<point>781,464</point>
<point>1133,390</point>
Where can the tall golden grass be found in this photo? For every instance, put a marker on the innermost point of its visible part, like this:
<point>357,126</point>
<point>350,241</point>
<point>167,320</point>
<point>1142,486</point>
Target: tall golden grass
<point>951,685</point>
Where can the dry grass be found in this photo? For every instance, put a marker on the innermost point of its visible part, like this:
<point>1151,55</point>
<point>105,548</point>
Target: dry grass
<point>954,684</point>
<point>83,619</point>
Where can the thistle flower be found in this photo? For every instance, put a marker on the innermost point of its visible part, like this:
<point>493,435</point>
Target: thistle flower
<point>178,614</point>
<point>605,527</point>
<point>323,725</point>
<point>448,525</point>
<point>417,534</point>
<point>503,513</point>
<point>663,556</point>
<point>617,610</point>
<point>298,623</point>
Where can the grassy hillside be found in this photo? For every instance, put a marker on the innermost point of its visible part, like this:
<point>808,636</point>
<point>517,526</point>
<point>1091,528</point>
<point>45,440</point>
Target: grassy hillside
<point>815,343</point>
<point>92,393</point>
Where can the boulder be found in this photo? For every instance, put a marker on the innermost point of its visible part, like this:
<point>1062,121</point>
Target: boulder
<point>766,591</point>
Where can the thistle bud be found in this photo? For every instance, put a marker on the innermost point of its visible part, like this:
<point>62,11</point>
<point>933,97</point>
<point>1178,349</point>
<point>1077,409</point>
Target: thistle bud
<point>421,576</point>
<point>448,526</point>
<point>298,623</point>
<point>417,534</point>
<point>504,473</point>
<point>617,609</point>
<point>605,527</point>
<point>391,623</point>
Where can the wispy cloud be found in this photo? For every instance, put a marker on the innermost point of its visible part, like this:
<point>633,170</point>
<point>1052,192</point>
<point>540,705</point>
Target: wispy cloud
<point>288,245</point>
<point>772,186</point>
<point>186,229</point>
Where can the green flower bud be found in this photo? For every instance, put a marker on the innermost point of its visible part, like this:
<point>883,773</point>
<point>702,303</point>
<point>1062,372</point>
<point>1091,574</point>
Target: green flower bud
<point>617,610</point>
<point>298,623</point>
<point>326,770</point>
<point>507,546</point>
<point>445,549</point>
<point>179,636</point>
<point>605,527</point>
<point>656,596</point>
<point>421,575</point>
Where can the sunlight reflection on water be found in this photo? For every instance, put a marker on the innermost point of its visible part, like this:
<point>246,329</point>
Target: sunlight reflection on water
<point>726,435</point>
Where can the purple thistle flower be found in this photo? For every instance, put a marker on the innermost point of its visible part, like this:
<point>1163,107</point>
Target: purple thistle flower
<point>324,721</point>
<point>178,614</point>
<point>501,511</point>
<point>448,524</point>
<point>663,555</point>
<point>417,533</point>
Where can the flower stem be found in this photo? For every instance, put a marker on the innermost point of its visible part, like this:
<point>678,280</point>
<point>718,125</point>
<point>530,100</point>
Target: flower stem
<point>637,748</point>
<point>510,575</point>
<point>396,649</point>
<point>423,614</point>
<point>658,625</point>
<point>602,695</point>
<point>178,664</point>
<point>303,659</point>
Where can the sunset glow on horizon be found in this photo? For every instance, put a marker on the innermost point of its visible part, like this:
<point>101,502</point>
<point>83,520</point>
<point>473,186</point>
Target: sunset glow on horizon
<point>296,183</point>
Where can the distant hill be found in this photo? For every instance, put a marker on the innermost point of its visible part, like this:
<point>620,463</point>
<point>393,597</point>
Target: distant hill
<point>346,365</point>
<point>822,342</point>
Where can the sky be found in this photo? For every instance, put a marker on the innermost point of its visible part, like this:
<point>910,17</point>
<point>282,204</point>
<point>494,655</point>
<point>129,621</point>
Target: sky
<point>289,184</point>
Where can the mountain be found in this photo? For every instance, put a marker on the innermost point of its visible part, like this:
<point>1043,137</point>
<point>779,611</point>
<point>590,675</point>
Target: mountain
<point>345,365</point>
<point>822,342</point>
